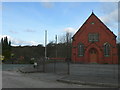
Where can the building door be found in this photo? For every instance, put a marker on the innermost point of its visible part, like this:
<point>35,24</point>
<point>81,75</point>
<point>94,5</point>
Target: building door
<point>93,55</point>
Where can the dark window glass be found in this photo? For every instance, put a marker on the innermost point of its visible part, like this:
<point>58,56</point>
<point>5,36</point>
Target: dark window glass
<point>106,49</point>
<point>93,37</point>
<point>80,49</point>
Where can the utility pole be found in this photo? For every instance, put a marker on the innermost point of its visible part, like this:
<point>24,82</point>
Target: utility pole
<point>68,61</point>
<point>55,53</point>
<point>56,45</point>
<point>45,51</point>
<point>45,44</point>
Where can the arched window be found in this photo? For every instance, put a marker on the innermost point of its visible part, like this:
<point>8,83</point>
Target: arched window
<point>80,49</point>
<point>106,49</point>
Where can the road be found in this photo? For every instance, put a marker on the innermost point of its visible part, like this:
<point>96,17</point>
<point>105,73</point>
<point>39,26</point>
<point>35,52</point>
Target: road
<point>13,79</point>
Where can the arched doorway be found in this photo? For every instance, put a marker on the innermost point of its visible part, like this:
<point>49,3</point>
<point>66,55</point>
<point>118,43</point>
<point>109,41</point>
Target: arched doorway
<point>93,55</point>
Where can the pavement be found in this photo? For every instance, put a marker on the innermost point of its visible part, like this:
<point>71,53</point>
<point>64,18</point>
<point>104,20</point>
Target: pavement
<point>95,81</point>
<point>83,74</point>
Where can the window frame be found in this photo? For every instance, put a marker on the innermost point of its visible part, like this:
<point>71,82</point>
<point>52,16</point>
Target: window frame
<point>106,49</point>
<point>93,37</point>
<point>80,49</point>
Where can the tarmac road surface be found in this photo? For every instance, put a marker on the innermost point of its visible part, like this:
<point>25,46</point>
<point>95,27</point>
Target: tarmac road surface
<point>12,79</point>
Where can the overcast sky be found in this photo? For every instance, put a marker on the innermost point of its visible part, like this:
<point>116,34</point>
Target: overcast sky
<point>25,22</point>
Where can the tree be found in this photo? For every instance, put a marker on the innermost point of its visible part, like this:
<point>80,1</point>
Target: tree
<point>65,45</point>
<point>6,48</point>
<point>51,49</point>
<point>69,44</point>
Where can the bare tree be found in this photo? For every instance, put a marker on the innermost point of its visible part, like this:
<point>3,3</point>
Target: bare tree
<point>63,38</point>
<point>65,45</point>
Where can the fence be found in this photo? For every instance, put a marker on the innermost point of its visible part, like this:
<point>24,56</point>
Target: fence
<point>56,65</point>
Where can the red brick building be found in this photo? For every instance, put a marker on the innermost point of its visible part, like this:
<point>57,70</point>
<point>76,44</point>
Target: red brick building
<point>94,43</point>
